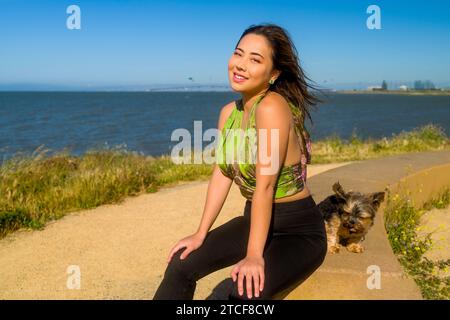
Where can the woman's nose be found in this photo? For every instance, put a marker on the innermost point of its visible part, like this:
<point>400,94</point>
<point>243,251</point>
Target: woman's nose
<point>240,65</point>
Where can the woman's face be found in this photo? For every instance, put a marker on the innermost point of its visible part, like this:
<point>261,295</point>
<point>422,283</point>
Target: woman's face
<point>252,59</point>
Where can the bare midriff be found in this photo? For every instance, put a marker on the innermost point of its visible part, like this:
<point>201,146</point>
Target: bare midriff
<point>299,195</point>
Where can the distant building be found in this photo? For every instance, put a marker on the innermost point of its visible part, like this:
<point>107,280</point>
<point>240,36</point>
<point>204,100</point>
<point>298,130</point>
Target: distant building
<point>403,88</point>
<point>374,88</point>
<point>424,85</point>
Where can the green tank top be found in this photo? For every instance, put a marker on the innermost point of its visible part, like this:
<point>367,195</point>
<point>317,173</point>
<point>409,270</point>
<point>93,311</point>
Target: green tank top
<point>236,147</point>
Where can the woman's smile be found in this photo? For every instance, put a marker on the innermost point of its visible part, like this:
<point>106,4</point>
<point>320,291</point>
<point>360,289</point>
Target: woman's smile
<point>238,79</point>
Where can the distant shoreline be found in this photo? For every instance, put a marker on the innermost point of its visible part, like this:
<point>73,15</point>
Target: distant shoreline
<point>346,91</point>
<point>408,92</point>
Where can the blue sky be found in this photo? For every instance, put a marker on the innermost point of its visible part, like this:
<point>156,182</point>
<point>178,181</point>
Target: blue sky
<point>151,42</point>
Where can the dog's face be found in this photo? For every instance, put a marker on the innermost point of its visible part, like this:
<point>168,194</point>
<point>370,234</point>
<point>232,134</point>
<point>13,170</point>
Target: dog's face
<point>357,215</point>
<point>356,210</point>
<point>348,217</point>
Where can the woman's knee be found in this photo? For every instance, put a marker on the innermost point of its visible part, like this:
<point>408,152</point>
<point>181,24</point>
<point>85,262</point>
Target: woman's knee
<point>179,268</point>
<point>323,253</point>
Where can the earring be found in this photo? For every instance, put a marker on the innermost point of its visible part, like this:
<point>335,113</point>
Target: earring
<point>271,81</point>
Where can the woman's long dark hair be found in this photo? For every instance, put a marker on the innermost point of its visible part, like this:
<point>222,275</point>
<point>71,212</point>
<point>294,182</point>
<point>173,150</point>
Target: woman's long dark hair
<point>292,82</point>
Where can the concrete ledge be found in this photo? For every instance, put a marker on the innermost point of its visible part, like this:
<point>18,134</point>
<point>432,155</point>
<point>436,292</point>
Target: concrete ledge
<point>345,275</point>
<point>424,185</point>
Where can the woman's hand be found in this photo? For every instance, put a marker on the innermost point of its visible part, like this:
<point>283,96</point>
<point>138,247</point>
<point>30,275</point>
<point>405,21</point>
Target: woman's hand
<point>191,243</point>
<point>253,269</point>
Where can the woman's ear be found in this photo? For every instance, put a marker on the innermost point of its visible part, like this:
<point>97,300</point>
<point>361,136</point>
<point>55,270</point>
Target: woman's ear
<point>276,74</point>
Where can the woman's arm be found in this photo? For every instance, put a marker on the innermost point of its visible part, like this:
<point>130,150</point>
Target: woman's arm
<point>218,187</point>
<point>272,125</point>
<point>272,117</point>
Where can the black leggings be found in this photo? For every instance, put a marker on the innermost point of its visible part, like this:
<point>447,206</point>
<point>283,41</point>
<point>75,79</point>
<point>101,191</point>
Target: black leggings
<point>296,246</point>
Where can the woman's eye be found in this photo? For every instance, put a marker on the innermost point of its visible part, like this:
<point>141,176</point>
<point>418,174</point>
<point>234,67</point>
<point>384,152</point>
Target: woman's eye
<point>253,59</point>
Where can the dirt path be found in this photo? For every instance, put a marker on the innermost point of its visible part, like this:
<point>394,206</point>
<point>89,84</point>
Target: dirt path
<point>120,250</point>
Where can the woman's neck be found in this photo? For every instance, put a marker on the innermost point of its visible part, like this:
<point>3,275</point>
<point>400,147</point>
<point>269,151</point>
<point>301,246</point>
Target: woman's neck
<point>248,99</point>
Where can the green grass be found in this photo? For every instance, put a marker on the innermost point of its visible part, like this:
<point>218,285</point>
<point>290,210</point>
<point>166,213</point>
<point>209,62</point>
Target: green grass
<point>44,186</point>
<point>334,149</point>
<point>38,188</point>
<point>402,223</point>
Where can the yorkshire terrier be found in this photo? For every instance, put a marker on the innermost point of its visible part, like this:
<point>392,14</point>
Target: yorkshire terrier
<point>348,217</point>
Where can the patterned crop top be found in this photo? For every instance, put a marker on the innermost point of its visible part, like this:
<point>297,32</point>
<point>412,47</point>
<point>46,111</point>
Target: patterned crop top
<point>291,179</point>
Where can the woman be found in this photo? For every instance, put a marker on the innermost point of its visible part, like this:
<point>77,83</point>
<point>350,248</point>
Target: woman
<point>280,240</point>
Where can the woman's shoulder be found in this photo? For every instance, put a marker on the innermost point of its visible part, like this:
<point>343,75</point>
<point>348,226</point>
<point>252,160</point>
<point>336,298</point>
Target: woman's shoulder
<point>275,98</point>
<point>274,103</point>
<point>225,113</point>
<point>228,108</point>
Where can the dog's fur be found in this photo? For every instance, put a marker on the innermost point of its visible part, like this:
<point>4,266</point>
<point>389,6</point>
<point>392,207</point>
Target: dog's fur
<point>348,217</point>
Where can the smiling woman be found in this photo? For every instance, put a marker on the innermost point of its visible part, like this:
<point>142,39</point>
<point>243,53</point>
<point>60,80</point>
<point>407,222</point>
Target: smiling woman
<point>280,239</point>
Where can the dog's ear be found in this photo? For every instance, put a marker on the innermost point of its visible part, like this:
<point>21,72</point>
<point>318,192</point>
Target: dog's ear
<point>377,198</point>
<point>337,188</point>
